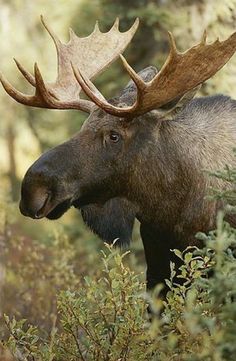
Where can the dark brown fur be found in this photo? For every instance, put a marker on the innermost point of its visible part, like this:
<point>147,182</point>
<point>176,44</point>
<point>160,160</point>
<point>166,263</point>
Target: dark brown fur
<point>156,172</point>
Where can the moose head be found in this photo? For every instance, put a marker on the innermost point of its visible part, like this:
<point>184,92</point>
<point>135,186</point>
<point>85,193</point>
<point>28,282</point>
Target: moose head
<point>115,168</point>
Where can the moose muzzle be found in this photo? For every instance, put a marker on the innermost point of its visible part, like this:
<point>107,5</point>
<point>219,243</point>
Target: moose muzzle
<point>47,189</point>
<point>35,204</point>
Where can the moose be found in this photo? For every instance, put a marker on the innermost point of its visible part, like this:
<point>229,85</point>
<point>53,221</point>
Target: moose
<point>143,154</point>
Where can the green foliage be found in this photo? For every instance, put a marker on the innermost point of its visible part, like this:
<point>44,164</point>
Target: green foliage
<point>101,320</point>
<point>107,314</point>
<point>201,311</point>
<point>105,318</point>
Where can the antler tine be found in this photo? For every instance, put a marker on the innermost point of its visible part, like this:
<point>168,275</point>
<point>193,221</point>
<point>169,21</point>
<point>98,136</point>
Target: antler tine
<point>115,26</point>
<point>41,87</point>
<point>204,37</point>
<point>31,79</point>
<point>96,28</point>
<point>16,94</point>
<point>97,97</point>
<point>28,76</point>
<point>141,85</point>
<point>54,37</point>
<point>72,34</point>
<point>173,48</point>
<point>41,99</point>
<point>86,84</point>
<point>85,80</point>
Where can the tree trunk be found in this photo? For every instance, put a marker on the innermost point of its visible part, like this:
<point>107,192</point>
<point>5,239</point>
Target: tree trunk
<point>14,183</point>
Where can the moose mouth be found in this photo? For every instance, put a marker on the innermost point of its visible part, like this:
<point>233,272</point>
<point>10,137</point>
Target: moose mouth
<point>56,211</point>
<point>43,204</point>
<point>64,206</point>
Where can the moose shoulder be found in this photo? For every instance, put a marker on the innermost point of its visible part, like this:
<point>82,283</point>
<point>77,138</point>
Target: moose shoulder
<point>144,154</point>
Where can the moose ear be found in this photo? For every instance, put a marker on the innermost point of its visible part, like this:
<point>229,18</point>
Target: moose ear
<point>171,109</point>
<point>113,220</point>
<point>147,74</point>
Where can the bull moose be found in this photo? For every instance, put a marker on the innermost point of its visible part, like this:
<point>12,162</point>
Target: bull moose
<point>143,153</point>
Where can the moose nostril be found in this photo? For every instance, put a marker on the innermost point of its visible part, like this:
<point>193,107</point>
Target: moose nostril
<point>33,203</point>
<point>37,216</point>
<point>40,213</point>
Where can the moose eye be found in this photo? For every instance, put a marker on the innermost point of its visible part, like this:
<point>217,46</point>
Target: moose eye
<point>114,137</point>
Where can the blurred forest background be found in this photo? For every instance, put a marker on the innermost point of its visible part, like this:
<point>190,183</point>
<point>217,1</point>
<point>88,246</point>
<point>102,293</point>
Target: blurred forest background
<point>37,257</point>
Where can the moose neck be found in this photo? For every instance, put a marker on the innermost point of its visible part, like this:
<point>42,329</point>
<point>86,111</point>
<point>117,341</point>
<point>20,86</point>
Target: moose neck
<point>169,173</point>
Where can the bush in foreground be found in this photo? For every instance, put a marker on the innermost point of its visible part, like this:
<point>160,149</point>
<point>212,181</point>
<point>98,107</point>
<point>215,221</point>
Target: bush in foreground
<point>106,318</point>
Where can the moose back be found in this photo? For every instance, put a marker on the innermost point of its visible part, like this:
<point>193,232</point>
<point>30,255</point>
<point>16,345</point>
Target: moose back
<point>139,155</point>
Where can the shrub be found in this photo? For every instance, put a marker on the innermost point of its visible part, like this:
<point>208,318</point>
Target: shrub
<point>106,318</point>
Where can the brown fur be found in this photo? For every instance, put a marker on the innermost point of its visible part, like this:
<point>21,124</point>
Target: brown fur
<point>156,172</point>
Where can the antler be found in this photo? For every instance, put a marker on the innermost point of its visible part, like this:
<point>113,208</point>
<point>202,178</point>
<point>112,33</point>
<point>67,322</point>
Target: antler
<point>91,55</point>
<point>180,73</point>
